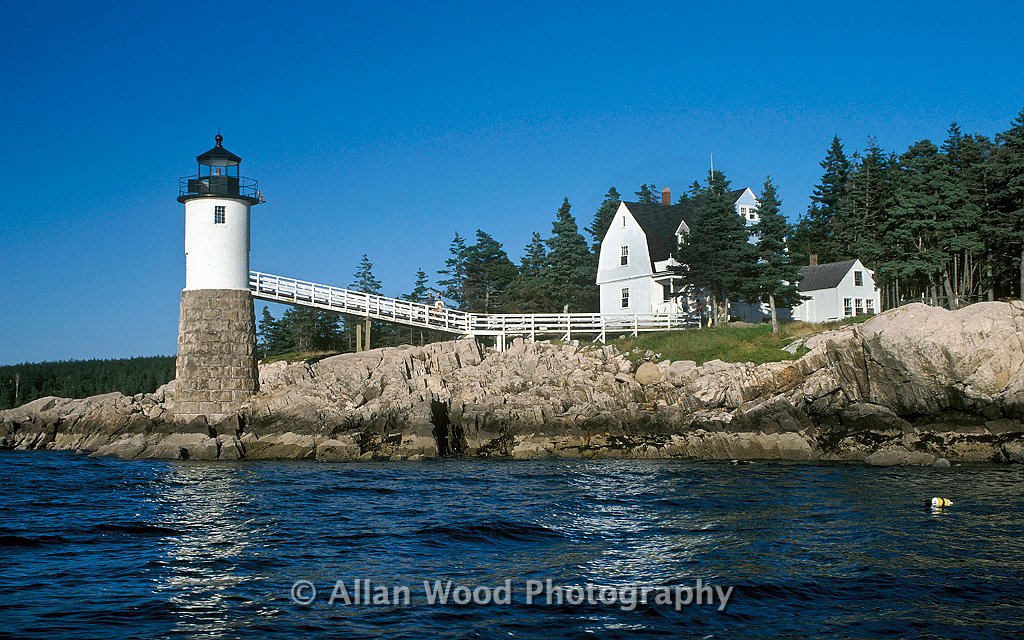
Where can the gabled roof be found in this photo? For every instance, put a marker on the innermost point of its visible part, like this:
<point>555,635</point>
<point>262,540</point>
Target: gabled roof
<point>824,276</point>
<point>661,222</point>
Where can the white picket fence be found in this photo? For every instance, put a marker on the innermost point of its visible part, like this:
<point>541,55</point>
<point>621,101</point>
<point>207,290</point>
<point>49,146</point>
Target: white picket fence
<point>265,286</point>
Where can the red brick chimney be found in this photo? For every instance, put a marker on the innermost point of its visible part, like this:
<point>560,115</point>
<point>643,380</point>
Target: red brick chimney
<point>666,196</point>
<point>813,260</point>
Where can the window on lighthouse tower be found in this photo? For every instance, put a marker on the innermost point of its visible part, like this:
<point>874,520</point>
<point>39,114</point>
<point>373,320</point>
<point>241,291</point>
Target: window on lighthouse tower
<point>218,215</point>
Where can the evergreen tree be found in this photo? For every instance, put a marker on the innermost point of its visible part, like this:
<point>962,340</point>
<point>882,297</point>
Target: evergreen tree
<point>528,292</point>
<point>648,194</point>
<point>717,253</point>
<point>489,272</point>
<point>815,232</point>
<point>1008,196</point>
<point>931,208</point>
<point>975,166</point>
<point>420,294</point>
<point>717,184</point>
<point>364,280</point>
<point>420,291</point>
<point>453,285</point>
<point>568,273</point>
<point>534,257</point>
<point>272,336</point>
<point>603,218</point>
<point>863,207</point>
<point>775,276</point>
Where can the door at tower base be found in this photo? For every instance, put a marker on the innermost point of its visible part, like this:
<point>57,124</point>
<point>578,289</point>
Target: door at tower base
<point>216,366</point>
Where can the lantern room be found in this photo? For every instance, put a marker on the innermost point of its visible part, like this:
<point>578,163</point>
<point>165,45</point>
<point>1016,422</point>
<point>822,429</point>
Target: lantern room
<point>218,176</point>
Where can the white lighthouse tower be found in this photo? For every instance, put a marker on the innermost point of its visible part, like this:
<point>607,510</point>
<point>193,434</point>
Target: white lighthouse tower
<point>217,202</point>
<point>216,366</point>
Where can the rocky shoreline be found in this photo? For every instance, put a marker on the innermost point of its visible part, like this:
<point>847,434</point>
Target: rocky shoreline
<point>916,385</point>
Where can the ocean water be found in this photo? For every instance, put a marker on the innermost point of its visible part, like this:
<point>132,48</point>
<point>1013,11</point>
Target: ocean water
<point>94,548</point>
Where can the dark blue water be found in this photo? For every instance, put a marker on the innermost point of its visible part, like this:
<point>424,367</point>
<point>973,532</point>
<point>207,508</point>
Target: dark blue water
<point>99,548</point>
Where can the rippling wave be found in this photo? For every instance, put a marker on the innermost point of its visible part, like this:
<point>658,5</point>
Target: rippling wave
<point>98,548</point>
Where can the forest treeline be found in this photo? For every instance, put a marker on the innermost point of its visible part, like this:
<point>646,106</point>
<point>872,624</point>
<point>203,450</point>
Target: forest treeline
<point>21,383</point>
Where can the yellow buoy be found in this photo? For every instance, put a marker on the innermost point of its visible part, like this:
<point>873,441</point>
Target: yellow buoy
<point>942,502</point>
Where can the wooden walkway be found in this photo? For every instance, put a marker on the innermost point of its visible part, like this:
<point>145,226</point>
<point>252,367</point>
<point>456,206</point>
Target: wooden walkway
<point>567,326</point>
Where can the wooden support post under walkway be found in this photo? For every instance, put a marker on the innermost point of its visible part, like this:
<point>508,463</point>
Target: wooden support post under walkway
<point>359,338</point>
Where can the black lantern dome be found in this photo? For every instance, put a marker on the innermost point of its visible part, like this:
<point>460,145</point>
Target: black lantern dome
<point>218,177</point>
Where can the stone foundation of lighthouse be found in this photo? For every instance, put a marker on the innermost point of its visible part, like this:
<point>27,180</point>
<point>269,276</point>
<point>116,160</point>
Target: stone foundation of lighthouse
<point>216,366</point>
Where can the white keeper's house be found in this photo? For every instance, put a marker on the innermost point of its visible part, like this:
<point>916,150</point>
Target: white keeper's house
<point>837,290</point>
<point>640,246</point>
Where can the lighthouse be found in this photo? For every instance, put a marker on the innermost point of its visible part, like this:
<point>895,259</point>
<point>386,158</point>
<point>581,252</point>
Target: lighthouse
<point>216,364</point>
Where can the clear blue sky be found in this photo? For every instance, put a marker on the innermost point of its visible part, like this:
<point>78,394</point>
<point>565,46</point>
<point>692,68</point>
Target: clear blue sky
<point>384,127</point>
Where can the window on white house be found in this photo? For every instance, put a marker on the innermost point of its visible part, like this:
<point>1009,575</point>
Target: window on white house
<point>666,292</point>
<point>860,306</point>
<point>848,306</point>
<point>869,306</point>
<point>751,216</point>
<point>623,220</point>
<point>858,278</point>
<point>625,297</point>
<point>623,256</point>
<point>218,215</point>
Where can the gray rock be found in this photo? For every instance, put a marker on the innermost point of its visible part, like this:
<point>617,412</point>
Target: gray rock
<point>648,373</point>
<point>941,463</point>
<point>899,457</point>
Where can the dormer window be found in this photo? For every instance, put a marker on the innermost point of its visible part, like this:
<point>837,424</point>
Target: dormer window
<point>218,215</point>
<point>623,256</point>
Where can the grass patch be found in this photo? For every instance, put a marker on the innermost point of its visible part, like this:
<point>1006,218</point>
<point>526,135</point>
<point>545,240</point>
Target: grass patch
<point>309,357</point>
<point>739,342</point>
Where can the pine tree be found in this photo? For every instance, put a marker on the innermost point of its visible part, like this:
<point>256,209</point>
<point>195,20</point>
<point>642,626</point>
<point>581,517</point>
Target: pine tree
<point>603,218</point>
<point>775,276</point>
<point>648,194</point>
<point>815,232</point>
<point>863,208</point>
<point>931,208</point>
<point>975,162</point>
<point>717,183</point>
<point>966,245</point>
<point>272,337</point>
<point>568,273</point>
<point>420,294</point>
<point>528,292</point>
<point>1008,196</point>
<point>489,272</point>
<point>453,285</point>
<point>364,280</point>
<point>717,253</point>
<point>420,291</point>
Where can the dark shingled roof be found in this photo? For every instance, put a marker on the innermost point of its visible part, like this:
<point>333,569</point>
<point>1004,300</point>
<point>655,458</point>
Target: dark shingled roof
<point>824,276</point>
<point>218,155</point>
<point>660,223</point>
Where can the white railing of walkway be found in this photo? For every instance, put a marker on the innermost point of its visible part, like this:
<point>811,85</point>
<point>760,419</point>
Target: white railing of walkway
<point>275,288</point>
